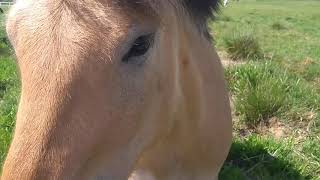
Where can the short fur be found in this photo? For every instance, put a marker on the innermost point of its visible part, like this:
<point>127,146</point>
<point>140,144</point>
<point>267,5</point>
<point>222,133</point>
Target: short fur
<point>85,114</point>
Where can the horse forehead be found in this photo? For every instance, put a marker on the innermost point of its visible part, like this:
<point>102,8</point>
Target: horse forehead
<point>98,21</point>
<point>88,16</point>
<point>96,9</point>
<point>107,14</point>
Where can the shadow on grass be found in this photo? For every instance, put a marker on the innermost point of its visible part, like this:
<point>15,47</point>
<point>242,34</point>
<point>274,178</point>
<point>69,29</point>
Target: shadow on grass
<point>251,160</point>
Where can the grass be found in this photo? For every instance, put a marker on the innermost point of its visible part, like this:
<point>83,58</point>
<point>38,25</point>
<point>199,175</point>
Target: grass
<point>259,91</point>
<point>264,90</point>
<point>297,42</point>
<point>264,158</point>
<point>242,45</point>
<point>223,18</point>
<point>9,92</point>
<point>278,26</point>
<point>283,85</point>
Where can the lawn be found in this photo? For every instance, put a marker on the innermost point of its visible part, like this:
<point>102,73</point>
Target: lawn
<point>272,48</point>
<point>272,54</point>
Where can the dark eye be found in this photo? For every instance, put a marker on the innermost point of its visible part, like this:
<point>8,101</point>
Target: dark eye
<point>139,48</point>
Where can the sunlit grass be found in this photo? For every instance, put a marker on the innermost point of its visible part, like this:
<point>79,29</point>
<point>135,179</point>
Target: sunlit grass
<point>283,84</point>
<point>9,93</point>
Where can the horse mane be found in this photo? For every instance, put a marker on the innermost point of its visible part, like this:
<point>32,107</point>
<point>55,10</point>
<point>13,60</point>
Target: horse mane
<point>201,10</point>
<point>198,9</point>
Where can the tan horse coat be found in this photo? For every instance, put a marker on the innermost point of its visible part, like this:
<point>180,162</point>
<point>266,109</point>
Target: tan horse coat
<point>85,114</point>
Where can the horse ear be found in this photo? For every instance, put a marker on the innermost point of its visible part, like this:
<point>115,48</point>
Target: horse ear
<point>202,9</point>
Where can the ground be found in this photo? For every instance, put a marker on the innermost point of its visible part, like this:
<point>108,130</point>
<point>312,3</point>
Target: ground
<point>271,54</point>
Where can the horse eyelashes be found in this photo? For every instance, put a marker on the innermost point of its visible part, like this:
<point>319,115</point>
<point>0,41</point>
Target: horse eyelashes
<point>139,48</point>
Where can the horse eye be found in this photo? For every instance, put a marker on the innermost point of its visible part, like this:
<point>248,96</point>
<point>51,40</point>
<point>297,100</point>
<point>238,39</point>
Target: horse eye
<point>139,48</point>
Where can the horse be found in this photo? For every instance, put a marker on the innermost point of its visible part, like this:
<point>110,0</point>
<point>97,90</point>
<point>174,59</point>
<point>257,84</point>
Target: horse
<point>117,89</point>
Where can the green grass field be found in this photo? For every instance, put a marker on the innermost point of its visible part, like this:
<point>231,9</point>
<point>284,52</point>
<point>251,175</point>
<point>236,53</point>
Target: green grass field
<point>274,83</point>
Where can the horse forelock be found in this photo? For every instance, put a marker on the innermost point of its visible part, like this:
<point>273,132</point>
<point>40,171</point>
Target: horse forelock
<point>198,10</point>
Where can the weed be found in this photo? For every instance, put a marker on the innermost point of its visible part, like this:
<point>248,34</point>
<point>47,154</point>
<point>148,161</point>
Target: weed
<point>259,92</point>
<point>242,45</point>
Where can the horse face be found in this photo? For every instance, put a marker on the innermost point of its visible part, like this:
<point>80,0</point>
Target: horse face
<point>115,87</point>
<point>98,85</point>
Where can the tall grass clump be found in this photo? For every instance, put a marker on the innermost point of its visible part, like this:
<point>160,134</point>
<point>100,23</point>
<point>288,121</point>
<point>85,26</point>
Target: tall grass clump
<point>242,44</point>
<point>262,91</point>
<point>258,90</point>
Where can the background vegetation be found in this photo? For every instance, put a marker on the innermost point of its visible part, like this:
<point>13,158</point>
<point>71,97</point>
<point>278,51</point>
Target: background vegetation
<point>271,53</point>
<point>9,90</point>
